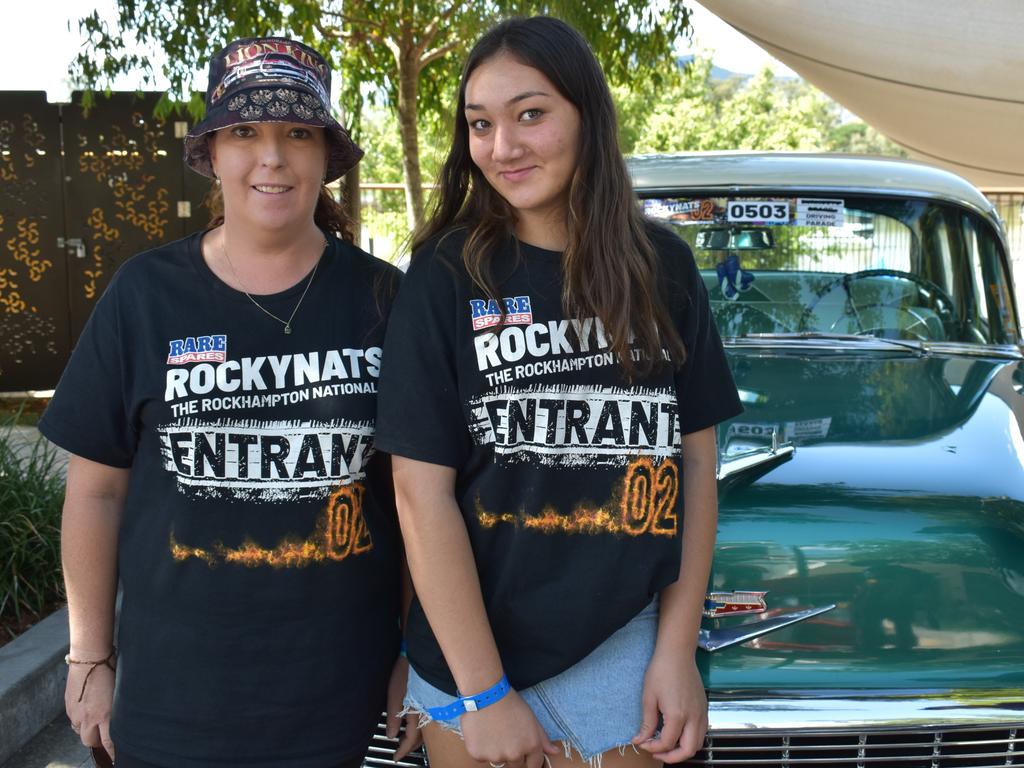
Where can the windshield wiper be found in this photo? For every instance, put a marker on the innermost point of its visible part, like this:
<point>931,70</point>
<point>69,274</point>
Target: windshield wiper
<point>916,346</point>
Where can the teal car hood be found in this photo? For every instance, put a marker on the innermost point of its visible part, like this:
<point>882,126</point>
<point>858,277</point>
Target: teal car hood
<point>903,505</point>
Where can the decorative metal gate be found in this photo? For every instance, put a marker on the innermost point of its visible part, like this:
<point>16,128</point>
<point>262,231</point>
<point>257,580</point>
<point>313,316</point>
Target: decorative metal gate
<point>79,195</point>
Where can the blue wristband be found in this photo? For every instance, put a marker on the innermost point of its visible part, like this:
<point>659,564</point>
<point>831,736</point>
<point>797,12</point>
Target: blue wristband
<point>472,703</point>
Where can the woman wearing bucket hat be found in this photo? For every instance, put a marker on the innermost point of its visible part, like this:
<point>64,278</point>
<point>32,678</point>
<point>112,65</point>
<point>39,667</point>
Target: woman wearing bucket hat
<point>219,408</point>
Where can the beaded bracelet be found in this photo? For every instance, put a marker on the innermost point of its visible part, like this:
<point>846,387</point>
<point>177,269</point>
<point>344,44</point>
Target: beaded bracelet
<point>93,664</point>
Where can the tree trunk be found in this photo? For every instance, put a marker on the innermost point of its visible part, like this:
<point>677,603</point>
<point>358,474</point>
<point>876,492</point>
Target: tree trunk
<point>408,114</point>
<point>350,199</point>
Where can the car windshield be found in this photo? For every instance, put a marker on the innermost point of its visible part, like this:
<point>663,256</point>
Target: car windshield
<point>897,268</point>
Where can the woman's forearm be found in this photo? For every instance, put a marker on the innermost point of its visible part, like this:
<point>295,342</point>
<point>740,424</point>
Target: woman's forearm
<point>444,572</point>
<point>89,529</point>
<point>682,602</point>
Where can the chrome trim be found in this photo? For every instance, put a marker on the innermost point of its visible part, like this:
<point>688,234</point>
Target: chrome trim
<point>999,351</point>
<point>712,640</point>
<point>920,348</point>
<point>742,469</point>
<point>871,344</point>
<point>820,712</point>
<point>819,747</point>
<point>886,761</point>
<point>1002,351</point>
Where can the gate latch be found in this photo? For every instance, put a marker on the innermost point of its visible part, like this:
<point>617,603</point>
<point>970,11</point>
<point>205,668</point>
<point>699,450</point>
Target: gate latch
<point>73,242</point>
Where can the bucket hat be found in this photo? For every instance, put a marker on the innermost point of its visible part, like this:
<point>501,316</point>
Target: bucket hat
<point>270,79</point>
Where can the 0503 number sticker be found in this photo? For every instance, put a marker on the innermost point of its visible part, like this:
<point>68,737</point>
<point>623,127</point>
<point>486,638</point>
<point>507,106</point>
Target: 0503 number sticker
<point>758,211</point>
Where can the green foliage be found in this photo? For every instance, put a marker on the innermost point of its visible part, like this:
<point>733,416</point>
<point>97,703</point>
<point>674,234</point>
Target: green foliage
<point>383,159</point>
<point>384,216</point>
<point>762,112</point>
<point>405,54</point>
<point>696,113</point>
<point>862,139</point>
<point>31,497</point>
<point>366,39</point>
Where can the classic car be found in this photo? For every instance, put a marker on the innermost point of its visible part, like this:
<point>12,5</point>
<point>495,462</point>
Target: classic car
<point>866,605</point>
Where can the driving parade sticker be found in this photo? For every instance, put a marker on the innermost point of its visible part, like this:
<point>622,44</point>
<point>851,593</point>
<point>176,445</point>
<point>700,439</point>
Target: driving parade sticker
<point>819,212</point>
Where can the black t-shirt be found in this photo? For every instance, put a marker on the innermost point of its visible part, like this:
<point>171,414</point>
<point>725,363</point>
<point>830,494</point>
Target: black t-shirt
<point>257,556</point>
<point>568,473</point>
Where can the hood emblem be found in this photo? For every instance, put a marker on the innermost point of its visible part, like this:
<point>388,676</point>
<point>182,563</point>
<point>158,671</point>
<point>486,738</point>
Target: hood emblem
<point>735,603</point>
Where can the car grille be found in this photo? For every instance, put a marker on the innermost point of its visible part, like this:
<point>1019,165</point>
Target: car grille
<point>926,747</point>
<point>382,751</point>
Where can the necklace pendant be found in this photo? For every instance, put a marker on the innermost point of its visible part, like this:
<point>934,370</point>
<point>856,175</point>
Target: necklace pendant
<point>287,329</point>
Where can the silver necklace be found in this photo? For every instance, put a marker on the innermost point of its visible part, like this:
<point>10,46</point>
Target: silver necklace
<point>286,323</point>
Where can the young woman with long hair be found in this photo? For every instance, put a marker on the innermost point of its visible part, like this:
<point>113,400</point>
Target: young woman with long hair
<point>551,386</point>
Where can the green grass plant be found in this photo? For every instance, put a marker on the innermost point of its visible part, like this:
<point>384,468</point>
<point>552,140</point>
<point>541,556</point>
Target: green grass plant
<point>31,497</point>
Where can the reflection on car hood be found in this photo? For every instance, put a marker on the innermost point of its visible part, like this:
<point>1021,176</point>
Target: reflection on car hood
<point>904,505</point>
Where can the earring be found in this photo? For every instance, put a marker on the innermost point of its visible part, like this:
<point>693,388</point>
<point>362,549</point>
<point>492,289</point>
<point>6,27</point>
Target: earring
<point>216,179</point>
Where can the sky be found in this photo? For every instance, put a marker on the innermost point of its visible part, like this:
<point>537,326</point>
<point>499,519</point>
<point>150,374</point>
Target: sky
<point>52,26</point>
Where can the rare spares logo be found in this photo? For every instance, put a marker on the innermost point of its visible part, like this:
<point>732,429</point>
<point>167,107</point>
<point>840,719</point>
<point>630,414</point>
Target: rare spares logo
<point>198,349</point>
<point>487,313</point>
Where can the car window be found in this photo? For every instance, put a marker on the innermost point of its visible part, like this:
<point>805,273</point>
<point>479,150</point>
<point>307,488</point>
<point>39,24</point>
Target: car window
<point>889,267</point>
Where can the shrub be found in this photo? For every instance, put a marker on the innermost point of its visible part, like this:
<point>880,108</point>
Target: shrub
<point>31,497</point>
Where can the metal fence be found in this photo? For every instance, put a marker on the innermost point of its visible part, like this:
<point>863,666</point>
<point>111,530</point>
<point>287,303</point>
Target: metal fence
<point>384,228</point>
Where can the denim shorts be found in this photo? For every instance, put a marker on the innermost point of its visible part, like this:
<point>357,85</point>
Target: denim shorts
<point>593,706</point>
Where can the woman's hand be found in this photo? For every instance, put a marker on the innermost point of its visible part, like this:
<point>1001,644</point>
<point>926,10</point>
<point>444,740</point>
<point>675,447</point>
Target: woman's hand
<point>673,690</point>
<point>396,694</point>
<point>507,733</point>
<point>90,717</point>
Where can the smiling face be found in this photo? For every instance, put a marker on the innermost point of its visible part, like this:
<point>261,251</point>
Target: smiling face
<point>524,137</point>
<point>270,173</point>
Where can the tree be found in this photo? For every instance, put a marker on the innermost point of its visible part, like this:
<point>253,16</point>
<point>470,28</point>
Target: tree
<point>698,113</point>
<point>405,53</point>
<point>860,138</point>
<point>760,112</point>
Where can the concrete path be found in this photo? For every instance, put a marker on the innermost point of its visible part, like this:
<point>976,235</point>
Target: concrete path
<point>56,746</point>
<point>32,674</point>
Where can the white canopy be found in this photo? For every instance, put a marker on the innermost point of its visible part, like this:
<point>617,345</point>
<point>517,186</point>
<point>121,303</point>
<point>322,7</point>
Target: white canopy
<point>943,79</point>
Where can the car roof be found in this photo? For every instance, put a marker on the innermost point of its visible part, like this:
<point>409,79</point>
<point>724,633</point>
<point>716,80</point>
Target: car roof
<point>825,172</point>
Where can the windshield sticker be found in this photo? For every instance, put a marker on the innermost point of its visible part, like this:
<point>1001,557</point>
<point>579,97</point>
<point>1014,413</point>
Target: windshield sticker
<point>755,431</point>
<point>819,212</point>
<point>809,429</point>
<point>683,211</point>
<point>746,436</point>
<point>798,212</point>
<point>757,211</point>
<point>735,603</point>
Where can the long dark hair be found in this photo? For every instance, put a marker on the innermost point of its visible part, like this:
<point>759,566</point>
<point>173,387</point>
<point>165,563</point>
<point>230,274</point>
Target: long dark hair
<point>610,266</point>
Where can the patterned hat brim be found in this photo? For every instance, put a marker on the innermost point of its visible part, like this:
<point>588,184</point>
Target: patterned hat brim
<point>267,103</point>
